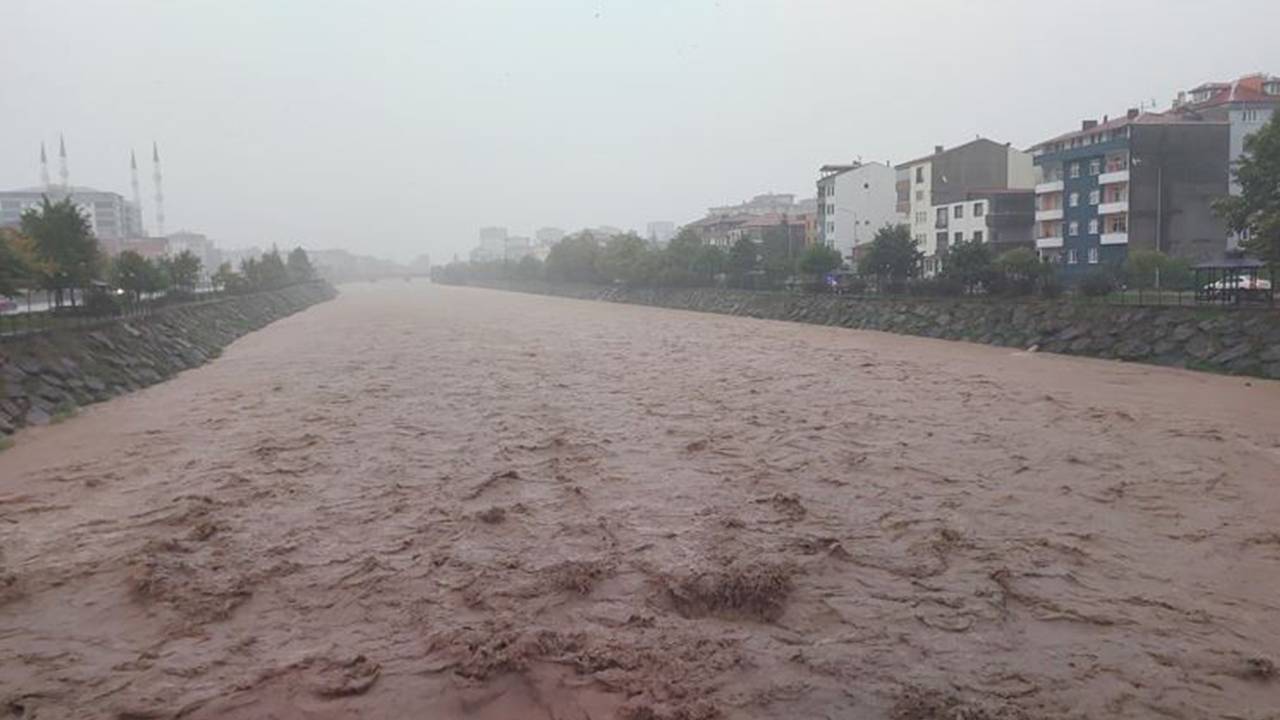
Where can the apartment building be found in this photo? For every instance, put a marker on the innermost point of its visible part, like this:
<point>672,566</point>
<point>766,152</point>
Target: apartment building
<point>1004,218</point>
<point>929,186</point>
<point>1143,180</point>
<point>111,218</point>
<point>1246,104</point>
<point>854,202</point>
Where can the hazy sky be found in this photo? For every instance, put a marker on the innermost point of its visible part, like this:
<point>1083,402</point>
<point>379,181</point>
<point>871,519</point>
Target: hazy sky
<point>401,127</point>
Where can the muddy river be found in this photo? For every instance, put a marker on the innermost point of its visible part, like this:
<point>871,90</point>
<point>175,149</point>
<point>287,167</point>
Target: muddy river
<point>424,502</point>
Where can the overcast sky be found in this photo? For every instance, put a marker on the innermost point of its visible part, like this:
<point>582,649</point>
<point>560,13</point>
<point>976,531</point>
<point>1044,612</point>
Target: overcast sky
<point>400,127</point>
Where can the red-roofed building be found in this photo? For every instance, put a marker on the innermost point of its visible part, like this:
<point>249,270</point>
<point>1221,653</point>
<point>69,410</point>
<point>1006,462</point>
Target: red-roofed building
<point>1247,104</point>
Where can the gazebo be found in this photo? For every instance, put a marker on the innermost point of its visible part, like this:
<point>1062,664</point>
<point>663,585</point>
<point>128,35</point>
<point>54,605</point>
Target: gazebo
<point>1235,281</point>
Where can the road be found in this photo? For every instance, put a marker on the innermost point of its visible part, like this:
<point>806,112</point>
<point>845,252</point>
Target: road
<point>417,501</point>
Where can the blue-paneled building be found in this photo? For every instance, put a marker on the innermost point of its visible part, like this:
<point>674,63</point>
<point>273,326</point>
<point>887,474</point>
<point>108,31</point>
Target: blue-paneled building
<point>1144,180</point>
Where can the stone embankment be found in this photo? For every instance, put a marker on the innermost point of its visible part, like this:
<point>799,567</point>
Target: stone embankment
<point>46,377</point>
<point>1229,340</point>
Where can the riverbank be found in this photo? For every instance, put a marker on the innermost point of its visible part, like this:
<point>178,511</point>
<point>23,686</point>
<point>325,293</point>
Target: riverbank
<point>1231,341</point>
<point>44,378</point>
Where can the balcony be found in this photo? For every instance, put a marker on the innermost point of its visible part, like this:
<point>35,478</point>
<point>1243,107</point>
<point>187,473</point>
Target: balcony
<point>1113,178</point>
<point>1048,243</point>
<point>1114,238</point>
<point>1054,186</point>
<point>1048,215</point>
<point>1114,208</point>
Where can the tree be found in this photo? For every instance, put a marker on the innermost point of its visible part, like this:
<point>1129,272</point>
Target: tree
<point>708,262</point>
<point>968,263</point>
<point>1144,267</point>
<point>18,264</point>
<point>892,257</point>
<point>818,259</point>
<point>1018,271</point>
<point>744,256</point>
<point>624,259</point>
<point>573,259</point>
<point>299,266</point>
<point>132,273</point>
<point>529,268</point>
<point>1256,210</point>
<point>227,279</point>
<point>184,271</point>
<point>273,273</point>
<point>65,243</point>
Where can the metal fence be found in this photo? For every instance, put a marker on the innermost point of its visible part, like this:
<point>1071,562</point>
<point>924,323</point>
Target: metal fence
<point>37,312</point>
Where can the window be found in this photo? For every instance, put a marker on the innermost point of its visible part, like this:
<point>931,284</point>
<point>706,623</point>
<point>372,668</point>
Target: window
<point>1095,167</point>
<point>919,238</point>
<point>941,238</point>
<point>1117,224</point>
<point>1093,197</point>
<point>977,236</point>
<point>919,195</point>
<point>831,227</point>
<point>1093,226</point>
<point>942,217</point>
<point>1072,258</point>
<point>1073,229</point>
<point>979,209</point>
<point>1075,170</point>
<point>920,174</point>
<point>1093,256</point>
<point>959,238</point>
<point>1074,199</point>
<point>957,211</point>
<point>1249,116</point>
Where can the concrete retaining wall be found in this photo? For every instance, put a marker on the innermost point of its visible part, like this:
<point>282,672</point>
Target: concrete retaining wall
<point>1237,341</point>
<point>47,376</point>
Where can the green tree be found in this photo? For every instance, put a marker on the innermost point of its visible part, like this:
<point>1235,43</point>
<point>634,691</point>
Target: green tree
<point>529,268</point>
<point>892,257</point>
<point>744,256</point>
<point>1019,271</point>
<point>683,249</point>
<point>625,259</point>
<point>1256,210</point>
<point>184,271</point>
<point>228,279</point>
<point>708,262</point>
<point>818,259</point>
<point>299,266</point>
<point>573,259</point>
<point>65,243</point>
<point>273,273</point>
<point>1144,267</point>
<point>970,264</point>
<point>132,273</point>
<point>18,265</point>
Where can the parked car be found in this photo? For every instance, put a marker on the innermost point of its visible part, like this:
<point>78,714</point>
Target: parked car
<point>1240,282</point>
<point>7,305</point>
<point>1238,288</point>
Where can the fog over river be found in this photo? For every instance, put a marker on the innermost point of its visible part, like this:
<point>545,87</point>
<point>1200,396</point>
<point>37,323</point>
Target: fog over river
<point>418,501</point>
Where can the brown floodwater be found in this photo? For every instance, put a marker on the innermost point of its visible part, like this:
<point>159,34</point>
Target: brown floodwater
<point>430,502</point>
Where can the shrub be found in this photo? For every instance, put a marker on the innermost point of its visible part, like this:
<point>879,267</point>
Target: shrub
<point>1097,284</point>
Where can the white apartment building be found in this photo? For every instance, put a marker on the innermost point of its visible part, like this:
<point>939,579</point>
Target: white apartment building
<point>854,202</point>
<point>111,217</point>
<point>949,177</point>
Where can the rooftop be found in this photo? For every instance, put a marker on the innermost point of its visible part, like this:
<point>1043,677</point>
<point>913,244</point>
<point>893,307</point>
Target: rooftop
<point>1250,88</point>
<point>940,150</point>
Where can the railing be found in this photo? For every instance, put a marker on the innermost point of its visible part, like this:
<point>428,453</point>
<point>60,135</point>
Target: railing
<point>36,317</point>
